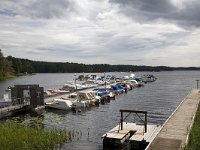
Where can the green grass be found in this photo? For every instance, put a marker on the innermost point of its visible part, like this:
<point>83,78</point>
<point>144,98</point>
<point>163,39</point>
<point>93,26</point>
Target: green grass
<point>194,137</point>
<point>14,136</point>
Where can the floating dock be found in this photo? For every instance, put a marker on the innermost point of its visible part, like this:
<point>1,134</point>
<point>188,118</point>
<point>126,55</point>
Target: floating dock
<point>175,131</point>
<point>6,111</point>
<point>137,136</point>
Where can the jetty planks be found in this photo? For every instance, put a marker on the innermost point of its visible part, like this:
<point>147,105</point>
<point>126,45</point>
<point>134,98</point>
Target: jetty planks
<point>175,131</point>
<point>138,132</point>
<point>116,133</point>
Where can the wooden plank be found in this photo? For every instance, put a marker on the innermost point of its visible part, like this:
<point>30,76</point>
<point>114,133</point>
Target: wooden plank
<point>137,137</point>
<point>116,133</point>
<point>140,135</point>
<point>10,108</point>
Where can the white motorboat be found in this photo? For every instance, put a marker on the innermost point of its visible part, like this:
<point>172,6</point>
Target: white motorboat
<point>70,86</point>
<point>148,78</point>
<point>60,104</point>
<point>134,83</point>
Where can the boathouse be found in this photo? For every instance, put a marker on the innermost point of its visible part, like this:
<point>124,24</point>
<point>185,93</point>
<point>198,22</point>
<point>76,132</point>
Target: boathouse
<point>34,93</point>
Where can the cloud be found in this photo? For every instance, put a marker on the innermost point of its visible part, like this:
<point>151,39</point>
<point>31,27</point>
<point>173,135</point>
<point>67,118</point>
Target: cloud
<point>91,31</point>
<point>45,9</point>
<point>182,12</point>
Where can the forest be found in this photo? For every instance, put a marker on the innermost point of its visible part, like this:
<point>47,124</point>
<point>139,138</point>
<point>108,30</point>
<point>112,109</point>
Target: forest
<point>11,66</point>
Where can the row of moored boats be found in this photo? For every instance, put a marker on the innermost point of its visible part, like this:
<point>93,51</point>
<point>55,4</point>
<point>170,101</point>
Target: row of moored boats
<point>94,91</point>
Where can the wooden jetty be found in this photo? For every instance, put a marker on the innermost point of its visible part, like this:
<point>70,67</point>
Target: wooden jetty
<point>175,131</point>
<point>137,135</point>
<point>9,110</point>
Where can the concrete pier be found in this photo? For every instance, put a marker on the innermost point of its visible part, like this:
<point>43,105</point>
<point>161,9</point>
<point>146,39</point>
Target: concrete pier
<point>175,131</point>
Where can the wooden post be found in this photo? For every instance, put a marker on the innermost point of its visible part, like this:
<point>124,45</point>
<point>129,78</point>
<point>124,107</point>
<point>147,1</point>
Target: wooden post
<point>197,84</point>
<point>121,120</point>
<point>145,123</point>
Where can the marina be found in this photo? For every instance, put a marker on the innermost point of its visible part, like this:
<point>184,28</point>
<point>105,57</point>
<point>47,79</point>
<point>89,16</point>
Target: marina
<point>99,75</point>
<point>69,97</point>
<point>158,98</point>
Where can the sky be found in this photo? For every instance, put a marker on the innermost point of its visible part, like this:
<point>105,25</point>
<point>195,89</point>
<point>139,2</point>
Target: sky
<point>134,32</point>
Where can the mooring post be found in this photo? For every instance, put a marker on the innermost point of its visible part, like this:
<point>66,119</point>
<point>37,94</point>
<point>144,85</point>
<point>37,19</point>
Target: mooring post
<point>121,120</point>
<point>145,123</point>
<point>75,81</point>
<point>197,84</point>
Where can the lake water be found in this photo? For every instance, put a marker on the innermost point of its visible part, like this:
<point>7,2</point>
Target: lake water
<point>159,99</point>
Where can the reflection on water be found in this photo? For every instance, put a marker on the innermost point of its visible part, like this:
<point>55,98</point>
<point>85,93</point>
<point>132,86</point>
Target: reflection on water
<point>159,99</point>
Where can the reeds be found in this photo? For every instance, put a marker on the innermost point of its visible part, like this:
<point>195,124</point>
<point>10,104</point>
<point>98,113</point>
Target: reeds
<point>14,136</point>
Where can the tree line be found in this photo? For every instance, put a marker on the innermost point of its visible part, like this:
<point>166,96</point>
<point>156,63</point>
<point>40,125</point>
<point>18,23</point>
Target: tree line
<point>15,66</point>
<point>29,66</point>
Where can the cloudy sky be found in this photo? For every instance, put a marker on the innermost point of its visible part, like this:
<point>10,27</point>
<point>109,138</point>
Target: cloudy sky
<point>136,32</point>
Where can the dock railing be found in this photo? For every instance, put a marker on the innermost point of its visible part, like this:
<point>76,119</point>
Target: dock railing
<point>15,103</point>
<point>136,112</point>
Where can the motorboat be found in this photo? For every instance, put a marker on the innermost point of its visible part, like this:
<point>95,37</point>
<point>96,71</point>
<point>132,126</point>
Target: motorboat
<point>105,92</point>
<point>75,102</point>
<point>89,84</point>
<point>57,91</point>
<point>125,77</point>
<point>60,104</point>
<point>72,87</point>
<point>86,96</point>
<point>97,97</point>
<point>117,89</point>
<point>148,78</point>
<point>132,83</point>
<point>69,86</point>
<point>71,96</point>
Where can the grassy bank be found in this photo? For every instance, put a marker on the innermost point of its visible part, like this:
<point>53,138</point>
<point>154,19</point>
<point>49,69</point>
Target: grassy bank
<point>18,136</point>
<point>194,137</point>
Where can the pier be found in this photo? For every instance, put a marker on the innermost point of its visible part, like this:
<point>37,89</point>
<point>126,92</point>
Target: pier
<point>137,136</point>
<point>175,131</point>
<point>9,110</point>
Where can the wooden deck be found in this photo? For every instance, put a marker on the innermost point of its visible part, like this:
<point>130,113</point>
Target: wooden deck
<point>174,133</point>
<point>120,134</point>
<point>6,111</point>
<point>139,135</point>
<point>132,132</point>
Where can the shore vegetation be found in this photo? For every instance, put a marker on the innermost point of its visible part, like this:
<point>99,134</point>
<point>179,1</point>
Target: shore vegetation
<point>194,136</point>
<point>19,136</point>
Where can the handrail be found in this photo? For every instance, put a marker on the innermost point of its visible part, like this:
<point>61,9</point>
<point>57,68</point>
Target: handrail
<point>19,101</point>
<point>136,112</point>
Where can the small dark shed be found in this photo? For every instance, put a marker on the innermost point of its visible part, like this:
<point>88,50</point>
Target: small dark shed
<point>33,92</point>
